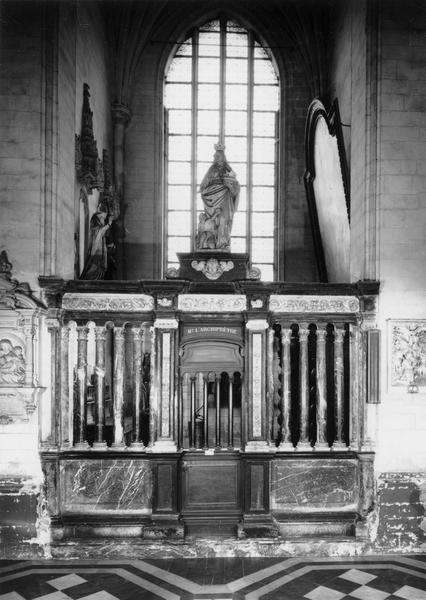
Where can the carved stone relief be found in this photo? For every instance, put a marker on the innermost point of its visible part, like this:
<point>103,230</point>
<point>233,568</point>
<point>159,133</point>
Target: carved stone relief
<point>211,303</point>
<point>108,302</point>
<point>408,354</point>
<point>313,304</point>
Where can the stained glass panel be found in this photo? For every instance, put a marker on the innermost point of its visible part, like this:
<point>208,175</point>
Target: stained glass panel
<point>263,199</point>
<point>236,70</point>
<point>179,172</point>
<point>180,69</point>
<point>263,224</point>
<point>264,124</point>
<point>262,249</point>
<point>264,149</point>
<point>235,122</point>
<point>179,223</point>
<point>178,95</point>
<point>208,122</point>
<point>180,147</point>
<point>236,97</point>
<point>178,244</point>
<point>180,121</point>
<point>236,45</point>
<point>208,96</point>
<point>208,70</point>
<point>266,97</point>
<point>179,197</point>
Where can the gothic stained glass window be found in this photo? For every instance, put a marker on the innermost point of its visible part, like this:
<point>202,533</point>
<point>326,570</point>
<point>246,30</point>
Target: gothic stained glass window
<point>222,85</point>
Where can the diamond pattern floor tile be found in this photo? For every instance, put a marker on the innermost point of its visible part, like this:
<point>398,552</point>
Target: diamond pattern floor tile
<point>67,581</point>
<point>368,593</point>
<point>357,576</point>
<point>324,593</point>
<point>409,593</point>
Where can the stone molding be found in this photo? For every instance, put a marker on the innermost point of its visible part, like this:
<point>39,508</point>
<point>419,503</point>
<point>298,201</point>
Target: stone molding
<point>212,303</point>
<point>108,302</point>
<point>313,304</point>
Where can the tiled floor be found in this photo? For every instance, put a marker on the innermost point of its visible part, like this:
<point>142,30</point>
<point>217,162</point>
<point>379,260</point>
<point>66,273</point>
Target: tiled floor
<point>367,578</point>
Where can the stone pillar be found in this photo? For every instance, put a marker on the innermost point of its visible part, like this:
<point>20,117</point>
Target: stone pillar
<point>257,431</point>
<point>82,332</point>
<point>118,388</point>
<point>339,416</point>
<point>29,332</point>
<point>100,334</point>
<point>354,400</point>
<point>164,376</point>
<point>321,399</point>
<point>67,406</point>
<point>304,443</point>
<point>137,372</point>
<point>120,117</point>
<point>286,443</point>
<point>50,423</point>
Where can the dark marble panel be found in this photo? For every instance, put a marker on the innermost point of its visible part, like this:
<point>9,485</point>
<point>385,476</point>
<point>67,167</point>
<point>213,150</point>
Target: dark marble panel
<point>312,484</point>
<point>99,485</point>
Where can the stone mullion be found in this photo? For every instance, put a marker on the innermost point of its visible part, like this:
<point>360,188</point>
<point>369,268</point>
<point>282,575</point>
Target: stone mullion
<point>321,398</point>
<point>82,332</point>
<point>100,338</point>
<point>304,443</point>
<point>338,388</point>
<point>286,443</point>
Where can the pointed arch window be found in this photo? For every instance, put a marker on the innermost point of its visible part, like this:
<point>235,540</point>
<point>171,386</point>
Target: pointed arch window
<point>222,85</point>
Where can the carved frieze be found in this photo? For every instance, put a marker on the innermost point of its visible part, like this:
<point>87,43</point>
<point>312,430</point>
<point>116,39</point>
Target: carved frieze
<point>17,404</point>
<point>212,268</point>
<point>408,353</point>
<point>108,302</point>
<point>313,304</point>
<point>212,303</point>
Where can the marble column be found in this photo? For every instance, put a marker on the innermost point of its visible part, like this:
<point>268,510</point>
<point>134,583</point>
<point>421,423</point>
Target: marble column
<point>321,398</point>
<point>339,416</point>
<point>354,420</point>
<point>138,335</point>
<point>257,434</point>
<point>100,335</point>
<point>165,385</point>
<point>29,332</point>
<point>231,411</point>
<point>82,333</point>
<point>286,443</point>
<point>66,400</point>
<point>50,423</point>
<point>118,442</point>
<point>304,442</point>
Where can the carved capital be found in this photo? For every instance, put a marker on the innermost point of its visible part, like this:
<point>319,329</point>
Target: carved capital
<point>257,324</point>
<point>166,324</point>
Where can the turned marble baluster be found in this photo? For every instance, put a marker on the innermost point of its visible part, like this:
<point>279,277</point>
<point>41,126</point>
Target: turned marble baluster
<point>304,443</point>
<point>230,412</point>
<point>118,388</point>
<point>206,410</point>
<point>100,337</point>
<point>286,443</point>
<point>137,371</point>
<point>193,391</point>
<point>321,397</point>
<point>217,427</point>
<point>82,333</point>
<point>338,388</point>
<point>67,407</point>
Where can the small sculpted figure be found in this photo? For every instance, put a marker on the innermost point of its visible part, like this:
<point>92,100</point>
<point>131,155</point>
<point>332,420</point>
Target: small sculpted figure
<point>219,192</point>
<point>97,257</point>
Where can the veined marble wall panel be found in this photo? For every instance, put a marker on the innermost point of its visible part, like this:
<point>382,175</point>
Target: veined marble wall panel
<point>117,485</point>
<point>307,485</point>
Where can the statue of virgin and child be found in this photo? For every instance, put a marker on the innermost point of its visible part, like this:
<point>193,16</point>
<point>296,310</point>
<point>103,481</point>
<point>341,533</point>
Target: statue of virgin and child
<point>220,192</point>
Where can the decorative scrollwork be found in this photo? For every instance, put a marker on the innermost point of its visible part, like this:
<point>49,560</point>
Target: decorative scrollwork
<point>212,303</point>
<point>212,268</point>
<point>314,304</point>
<point>108,302</point>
